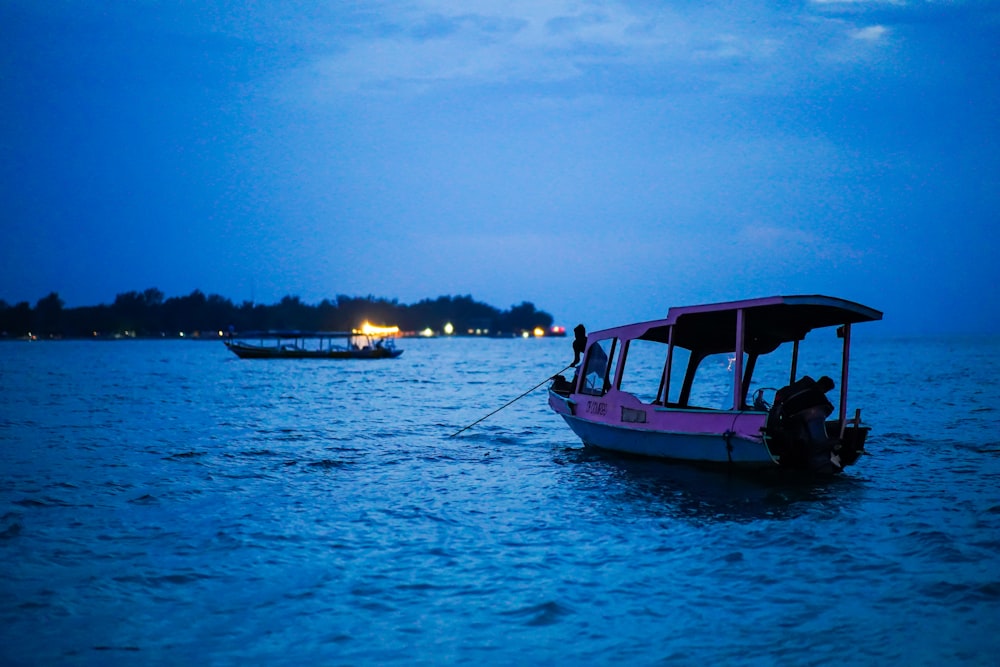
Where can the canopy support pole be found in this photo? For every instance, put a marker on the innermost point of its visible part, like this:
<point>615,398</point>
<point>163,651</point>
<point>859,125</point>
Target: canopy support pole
<point>738,368</point>
<point>843,376</point>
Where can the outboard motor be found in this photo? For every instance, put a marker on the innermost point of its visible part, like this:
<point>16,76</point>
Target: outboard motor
<point>796,425</point>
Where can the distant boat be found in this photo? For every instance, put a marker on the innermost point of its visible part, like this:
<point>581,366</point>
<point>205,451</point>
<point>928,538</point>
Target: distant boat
<point>312,345</point>
<point>627,397</point>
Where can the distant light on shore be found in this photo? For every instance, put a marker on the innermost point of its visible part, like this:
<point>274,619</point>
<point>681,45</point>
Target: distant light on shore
<point>372,330</point>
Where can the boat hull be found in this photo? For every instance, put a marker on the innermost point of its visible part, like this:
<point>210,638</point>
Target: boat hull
<point>693,447</point>
<point>256,352</point>
<point>675,435</point>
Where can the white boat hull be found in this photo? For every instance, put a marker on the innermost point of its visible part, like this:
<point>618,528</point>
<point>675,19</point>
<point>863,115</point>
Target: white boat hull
<point>725,438</point>
<point>698,447</point>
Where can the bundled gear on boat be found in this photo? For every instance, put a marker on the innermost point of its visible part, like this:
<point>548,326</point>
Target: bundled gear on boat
<point>796,425</point>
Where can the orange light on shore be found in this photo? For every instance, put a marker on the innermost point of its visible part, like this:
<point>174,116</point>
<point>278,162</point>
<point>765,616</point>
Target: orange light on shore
<point>539,332</point>
<point>372,330</point>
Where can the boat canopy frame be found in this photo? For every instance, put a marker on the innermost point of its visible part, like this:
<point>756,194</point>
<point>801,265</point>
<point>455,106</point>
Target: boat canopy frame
<point>323,337</point>
<point>272,334</point>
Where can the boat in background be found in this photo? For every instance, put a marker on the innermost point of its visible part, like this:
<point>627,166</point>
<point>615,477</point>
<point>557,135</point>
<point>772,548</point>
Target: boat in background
<point>313,345</point>
<point>642,388</point>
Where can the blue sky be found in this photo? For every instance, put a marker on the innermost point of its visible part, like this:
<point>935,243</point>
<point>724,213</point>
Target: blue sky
<point>604,160</point>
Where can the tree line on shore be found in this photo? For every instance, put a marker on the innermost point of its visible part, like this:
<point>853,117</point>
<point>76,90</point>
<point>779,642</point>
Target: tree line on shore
<point>149,314</point>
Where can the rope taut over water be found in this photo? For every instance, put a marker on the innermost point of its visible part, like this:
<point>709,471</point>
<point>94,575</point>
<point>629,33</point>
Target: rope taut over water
<point>511,401</point>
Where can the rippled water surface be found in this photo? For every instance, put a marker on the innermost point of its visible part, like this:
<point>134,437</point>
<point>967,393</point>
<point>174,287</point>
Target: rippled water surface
<point>167,503</point>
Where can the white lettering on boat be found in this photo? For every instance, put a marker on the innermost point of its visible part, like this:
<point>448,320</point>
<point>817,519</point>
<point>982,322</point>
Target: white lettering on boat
<point>597,408</point>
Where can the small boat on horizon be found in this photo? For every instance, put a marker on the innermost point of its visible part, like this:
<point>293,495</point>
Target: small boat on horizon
<point>312,345</point>
<point>642,388</point>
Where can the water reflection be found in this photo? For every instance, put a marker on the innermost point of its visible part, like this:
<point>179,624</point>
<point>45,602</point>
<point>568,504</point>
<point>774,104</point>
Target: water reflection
<point>692,492</point>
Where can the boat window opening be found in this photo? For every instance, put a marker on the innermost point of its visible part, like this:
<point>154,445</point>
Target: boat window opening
<point>614,360</point>
<point>712,385</point>
<point>643,369</point>
<point>678,368</point>
<point>770,373</point>
<point>820,354</point>
<point>789,363</point>
<point>596,374</point>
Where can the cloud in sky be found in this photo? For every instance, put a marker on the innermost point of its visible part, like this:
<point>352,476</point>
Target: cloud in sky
<point>572,44</point>
<point>604,160</point>
<point>871,33</point>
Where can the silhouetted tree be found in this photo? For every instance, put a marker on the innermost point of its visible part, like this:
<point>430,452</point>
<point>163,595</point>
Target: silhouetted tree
<point>16,320</point>
<point>524,318</point>
<point>48,315</point>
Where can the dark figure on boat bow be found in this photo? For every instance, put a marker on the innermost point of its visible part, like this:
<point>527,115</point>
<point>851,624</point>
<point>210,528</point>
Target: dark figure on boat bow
<point>579,342</point>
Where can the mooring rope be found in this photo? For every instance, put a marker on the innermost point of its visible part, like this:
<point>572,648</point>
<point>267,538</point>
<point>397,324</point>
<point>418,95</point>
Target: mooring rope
<point>511,401</point>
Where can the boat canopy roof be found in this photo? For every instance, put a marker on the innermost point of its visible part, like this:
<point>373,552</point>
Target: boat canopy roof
<point>300,334</point>
<point>768,322</point>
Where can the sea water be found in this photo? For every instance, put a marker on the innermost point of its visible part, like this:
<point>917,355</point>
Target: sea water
<point>164,503</point>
